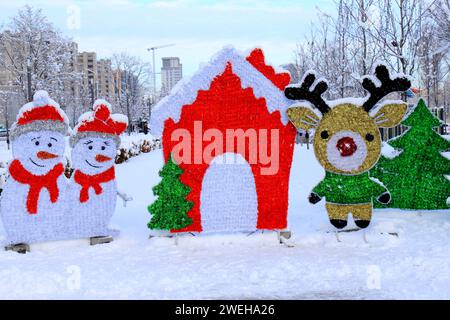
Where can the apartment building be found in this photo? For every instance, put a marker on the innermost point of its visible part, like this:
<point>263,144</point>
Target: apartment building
<point>171,73</point>
<point>87,67</point>
<point>105,78</point>
<point>97,75</point>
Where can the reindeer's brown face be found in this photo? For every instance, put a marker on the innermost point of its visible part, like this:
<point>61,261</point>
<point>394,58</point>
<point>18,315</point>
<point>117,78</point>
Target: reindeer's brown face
<point>347,139</point>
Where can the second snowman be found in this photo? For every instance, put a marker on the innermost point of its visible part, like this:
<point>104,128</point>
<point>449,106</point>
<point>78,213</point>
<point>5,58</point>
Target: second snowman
<point>93,187</point>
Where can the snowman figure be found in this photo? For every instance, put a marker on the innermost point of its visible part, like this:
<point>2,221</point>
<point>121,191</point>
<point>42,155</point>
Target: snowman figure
<point>93,188</point>
<point>32,205</point>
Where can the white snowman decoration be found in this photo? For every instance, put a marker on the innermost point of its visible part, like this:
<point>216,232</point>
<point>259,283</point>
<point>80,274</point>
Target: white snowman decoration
<point>93,188</point>
<point>32,205</point>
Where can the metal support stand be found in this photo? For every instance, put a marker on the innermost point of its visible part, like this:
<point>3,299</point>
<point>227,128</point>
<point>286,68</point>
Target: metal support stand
<point>21,248</point>
<point>100,240</point>
<point>284,236</point>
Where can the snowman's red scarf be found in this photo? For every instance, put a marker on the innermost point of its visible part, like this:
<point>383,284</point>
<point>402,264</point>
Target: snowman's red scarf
<point>37,183</point>
<point>86,181</point>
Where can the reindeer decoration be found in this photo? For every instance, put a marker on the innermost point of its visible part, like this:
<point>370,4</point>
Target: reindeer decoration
<point>347,142</point>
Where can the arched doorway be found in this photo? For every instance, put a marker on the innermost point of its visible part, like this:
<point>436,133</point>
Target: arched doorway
<point>228,200</point>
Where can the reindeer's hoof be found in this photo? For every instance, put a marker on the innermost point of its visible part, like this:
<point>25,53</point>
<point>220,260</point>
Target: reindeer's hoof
<point>340,224</point>
<point>362,223</point>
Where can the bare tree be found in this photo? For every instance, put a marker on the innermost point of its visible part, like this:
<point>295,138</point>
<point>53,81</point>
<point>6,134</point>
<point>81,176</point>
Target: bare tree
<point>431,64</point>
<point>362,48</point>
<point>132,75</point>
<point>398,32</point>
<point>35,53</point>
<point>433,51</point>
<point>342,36</point>
<point>333,49</point>
<point>79,102</point>
<point>440,13</point>
<point>409,35</point>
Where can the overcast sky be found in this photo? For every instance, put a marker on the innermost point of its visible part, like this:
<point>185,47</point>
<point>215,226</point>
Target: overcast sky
<point>198,28</point>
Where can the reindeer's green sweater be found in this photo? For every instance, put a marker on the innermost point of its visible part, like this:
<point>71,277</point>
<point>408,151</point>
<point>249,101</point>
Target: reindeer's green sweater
<point>346,189</point>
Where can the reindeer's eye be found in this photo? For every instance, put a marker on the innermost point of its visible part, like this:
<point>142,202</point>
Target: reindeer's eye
<point>324,134</point>
<point>369,137</point>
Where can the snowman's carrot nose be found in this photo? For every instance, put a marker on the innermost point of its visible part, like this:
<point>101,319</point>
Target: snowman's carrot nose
<point>43,155</point>
<point>102,158</point>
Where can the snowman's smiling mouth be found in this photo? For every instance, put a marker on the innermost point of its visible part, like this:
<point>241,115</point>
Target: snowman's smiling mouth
<point>36,164</point>
<point>96,167</point>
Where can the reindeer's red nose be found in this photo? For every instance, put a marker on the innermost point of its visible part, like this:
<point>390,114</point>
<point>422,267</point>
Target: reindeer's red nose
<point>346,146</point>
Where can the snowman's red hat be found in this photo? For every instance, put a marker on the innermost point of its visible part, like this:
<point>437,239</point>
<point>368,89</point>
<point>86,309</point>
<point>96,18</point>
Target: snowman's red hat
<point>100,122</point>
<point>43,114</point>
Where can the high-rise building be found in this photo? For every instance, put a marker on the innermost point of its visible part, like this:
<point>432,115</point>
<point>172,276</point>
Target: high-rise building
<point>171,73</point>
<point>87,66</point>
<point>97,75</point>
<point>105,79</point>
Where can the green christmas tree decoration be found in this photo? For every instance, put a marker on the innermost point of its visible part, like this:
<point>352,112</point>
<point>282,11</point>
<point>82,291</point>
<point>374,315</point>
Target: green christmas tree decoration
<point>169,211</point>
<point>416,178</point>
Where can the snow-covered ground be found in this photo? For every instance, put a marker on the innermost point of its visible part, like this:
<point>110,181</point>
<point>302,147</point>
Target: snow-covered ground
<point>416,264</point>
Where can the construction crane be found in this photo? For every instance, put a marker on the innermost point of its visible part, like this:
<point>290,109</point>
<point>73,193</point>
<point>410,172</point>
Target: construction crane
<point>153,49</point>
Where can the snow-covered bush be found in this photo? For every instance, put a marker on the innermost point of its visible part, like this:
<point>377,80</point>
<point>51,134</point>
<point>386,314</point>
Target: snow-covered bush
<point>129,149</point>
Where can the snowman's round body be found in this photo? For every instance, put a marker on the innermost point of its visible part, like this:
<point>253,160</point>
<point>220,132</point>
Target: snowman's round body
<point>36,155</point>
<point>92,192</point>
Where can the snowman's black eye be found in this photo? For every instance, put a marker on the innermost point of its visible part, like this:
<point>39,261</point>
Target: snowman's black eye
<point>37,143</point>
<point>50,145</point>
<point>91,147</point>
<point>103,148</point>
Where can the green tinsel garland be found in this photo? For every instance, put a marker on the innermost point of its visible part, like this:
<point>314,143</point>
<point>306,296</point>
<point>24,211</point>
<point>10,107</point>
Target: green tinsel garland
<point>416,177</point>
<point>169,211</point>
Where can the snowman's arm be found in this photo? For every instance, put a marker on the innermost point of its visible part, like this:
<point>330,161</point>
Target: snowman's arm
<point>125,197</point>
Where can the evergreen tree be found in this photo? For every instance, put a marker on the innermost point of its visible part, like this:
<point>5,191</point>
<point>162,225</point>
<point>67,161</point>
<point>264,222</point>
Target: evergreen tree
<point>169,211</point>
<point>416,177</point>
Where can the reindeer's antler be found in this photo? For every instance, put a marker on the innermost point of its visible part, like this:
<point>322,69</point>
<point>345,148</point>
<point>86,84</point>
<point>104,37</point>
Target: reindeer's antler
<point>388,85</point>
<point>304,93</point>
